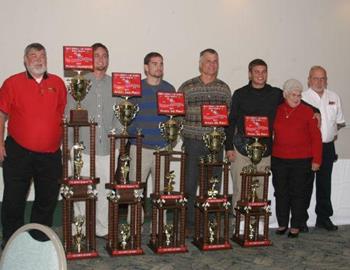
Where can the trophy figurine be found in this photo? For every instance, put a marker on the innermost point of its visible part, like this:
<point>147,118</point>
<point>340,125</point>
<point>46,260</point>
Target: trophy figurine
<point>254,186</point>
<point>170,130</point>
<point>212,230</point>
<point>125,235</point>
<point>252,231</point>
<point>168,231</point>
<point>77,160</point>
<point>78,87</point>
<point>125,168</point>
<point>170,183</point>
<point>125,112</point>
<point>79,236</point>
<point>214,142</point>
<point>255,151</point>
<point>212,192</point>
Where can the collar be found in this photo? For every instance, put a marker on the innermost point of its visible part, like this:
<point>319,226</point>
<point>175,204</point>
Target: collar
<point>45,76</point>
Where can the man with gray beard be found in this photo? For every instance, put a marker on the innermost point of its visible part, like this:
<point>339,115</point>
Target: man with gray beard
<point>33,103</point>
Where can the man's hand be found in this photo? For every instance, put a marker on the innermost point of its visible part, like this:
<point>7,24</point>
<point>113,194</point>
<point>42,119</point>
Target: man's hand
<point>231,155</point>
<point>317,116</point>
<point>2,152</point>
<point>315,167</point>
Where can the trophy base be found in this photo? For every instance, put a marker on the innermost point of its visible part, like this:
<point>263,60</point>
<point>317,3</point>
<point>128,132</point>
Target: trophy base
<point>123,252</point>
<point>220,245</point>
<point>81,255</point>
<point>251,243</point>
<point>78,116</point>
<point>165,250</point>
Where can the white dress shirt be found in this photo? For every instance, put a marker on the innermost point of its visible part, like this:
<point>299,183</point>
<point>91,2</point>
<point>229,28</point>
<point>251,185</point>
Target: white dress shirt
<point>331,113</point>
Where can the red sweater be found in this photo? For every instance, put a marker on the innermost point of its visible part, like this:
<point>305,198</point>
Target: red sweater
<point>296,134</point>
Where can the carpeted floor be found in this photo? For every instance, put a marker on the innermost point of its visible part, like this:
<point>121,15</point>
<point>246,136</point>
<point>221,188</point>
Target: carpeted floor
<point>318,249</point>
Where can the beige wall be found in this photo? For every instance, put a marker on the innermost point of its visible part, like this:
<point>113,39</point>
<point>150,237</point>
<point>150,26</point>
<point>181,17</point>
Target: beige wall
<point>290,35</point>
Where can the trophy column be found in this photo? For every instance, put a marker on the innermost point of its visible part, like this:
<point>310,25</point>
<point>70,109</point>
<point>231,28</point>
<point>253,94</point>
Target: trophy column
<point>79,242</point>
<point>169,237</point>
<point>124,238</point>
<point>212,208</point>
<point>254,212</point>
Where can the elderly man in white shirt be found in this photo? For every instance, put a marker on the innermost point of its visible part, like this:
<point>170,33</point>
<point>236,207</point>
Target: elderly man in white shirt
<point>332,117</point>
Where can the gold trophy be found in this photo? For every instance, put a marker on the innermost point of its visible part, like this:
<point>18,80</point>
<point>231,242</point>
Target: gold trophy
<point>124,168</point>
<point>125,112</point>
<point>77,159</point>
<point>212,225</point>
<point>170,183</point>
<point>79,236</point>
<point>252,230</point>
<point>255,151</point>
<point>168,231</point>
<point>170,130</point>
<point>214,142</point>
<point>212,192</point>
<point>125,235</point>
<point>78,87</point>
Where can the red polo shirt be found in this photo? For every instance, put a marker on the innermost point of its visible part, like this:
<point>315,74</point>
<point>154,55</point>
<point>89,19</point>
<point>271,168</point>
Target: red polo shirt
<point>34,110</point>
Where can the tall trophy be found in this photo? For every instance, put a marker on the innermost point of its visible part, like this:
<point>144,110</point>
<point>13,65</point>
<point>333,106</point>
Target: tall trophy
<point>79,231</point>
<point>124,237</point>
<point>253,207</point>
<point>169,200</point>
<point>212,207</point>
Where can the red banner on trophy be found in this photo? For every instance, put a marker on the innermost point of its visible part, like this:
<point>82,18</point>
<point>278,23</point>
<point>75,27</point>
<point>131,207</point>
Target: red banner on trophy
<point>256,126</point>
<point>126,84</point>
<point>171,103</point>
<point>214,115</point>
<point>78,57</point>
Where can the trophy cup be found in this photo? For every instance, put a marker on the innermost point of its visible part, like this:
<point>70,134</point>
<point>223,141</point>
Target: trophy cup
<point>79,236</point>
<point>255,152</point>
<point>77,160</point>
<point>125,235</point>
<point>168,231</point>
<point>78,87</point>
<point>214,142</point>
<point>170,130</point>
<point>125,112</point>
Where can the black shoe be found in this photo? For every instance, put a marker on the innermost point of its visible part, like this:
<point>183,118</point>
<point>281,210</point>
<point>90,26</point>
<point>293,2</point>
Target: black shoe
<point>326,224</point>
<point>293,235</point>
<point>304,228</point>
<point>281,232</point>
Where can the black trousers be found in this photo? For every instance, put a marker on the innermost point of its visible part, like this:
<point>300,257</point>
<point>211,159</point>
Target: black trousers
<point>289,178</point>
<point>20,167</point>
<point>196,149</point>
<point>323,176</point>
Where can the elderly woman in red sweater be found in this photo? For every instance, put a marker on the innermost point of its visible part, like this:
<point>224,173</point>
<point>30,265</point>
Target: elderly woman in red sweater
<point>296,151</point>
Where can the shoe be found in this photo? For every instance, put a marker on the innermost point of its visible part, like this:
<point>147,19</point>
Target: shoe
<point>281,231</point>
<point>293,235</point>
<point>304,228</point>
<point>326,224</point>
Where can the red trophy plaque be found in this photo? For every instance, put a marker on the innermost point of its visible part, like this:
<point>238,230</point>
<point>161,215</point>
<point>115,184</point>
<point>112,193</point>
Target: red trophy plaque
<point>256,126</point>
<point>78,58</point>
<point>126,84</point>
<point>171,103</point>
<point>214,115</point>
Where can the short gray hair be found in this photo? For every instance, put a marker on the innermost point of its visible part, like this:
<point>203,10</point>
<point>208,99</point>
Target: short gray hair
<point>292,85</point>
<point>35,46</point>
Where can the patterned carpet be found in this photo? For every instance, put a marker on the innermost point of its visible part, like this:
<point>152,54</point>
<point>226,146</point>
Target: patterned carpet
<point>318,249</point>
